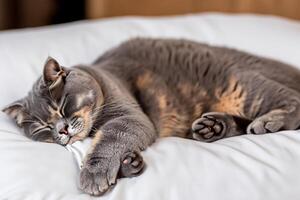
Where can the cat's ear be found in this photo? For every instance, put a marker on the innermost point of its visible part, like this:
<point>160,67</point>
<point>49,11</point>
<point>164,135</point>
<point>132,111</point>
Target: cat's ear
<point>16,111</point>
<point>54,77</point>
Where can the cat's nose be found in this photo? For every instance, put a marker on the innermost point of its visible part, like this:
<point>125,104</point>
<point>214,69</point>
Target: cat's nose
<point>64,130</point>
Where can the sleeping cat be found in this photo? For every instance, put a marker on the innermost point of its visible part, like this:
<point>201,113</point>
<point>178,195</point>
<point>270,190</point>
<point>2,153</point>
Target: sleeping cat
<point>150,88</point>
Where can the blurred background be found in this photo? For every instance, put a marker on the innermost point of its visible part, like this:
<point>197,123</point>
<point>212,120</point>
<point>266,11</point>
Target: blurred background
<point>32,13</point>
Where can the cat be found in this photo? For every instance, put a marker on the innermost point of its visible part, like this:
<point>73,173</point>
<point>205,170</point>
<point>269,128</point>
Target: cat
<point>148,88</point>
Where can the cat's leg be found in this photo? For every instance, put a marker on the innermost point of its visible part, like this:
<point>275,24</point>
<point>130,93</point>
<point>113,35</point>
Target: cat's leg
<point>287,118</point>
<point>115,152</point>
<point>213,126</point>
<point>271,105</point>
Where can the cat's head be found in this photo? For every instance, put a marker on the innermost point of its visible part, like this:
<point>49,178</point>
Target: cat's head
<point>62,104</point>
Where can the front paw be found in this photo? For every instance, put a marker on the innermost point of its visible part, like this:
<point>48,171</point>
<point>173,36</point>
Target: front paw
<point>132,164</point>
<point>97,177</point>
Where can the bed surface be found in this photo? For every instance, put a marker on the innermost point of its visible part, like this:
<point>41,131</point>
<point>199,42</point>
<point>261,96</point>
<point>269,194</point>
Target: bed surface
<point>246,167</point>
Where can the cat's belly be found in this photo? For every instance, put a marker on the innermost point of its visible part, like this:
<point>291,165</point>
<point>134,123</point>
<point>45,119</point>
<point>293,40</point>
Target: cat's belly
<point>174,109</point>
<point>171,107</point>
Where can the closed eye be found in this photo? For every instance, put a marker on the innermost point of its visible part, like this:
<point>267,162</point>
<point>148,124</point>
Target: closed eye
<point>40,129</point>
<point>50,126</point>
<point>42,134</point>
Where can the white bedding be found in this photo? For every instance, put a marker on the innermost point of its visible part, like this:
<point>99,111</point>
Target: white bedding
<point>242,168</point>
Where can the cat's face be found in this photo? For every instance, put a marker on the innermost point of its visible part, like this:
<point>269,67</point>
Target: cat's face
<point>61,105</point>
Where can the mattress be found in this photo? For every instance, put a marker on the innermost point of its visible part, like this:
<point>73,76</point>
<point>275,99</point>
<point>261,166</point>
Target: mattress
<point>245,167</point>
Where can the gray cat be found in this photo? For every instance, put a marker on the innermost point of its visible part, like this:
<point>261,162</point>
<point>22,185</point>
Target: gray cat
<point>150,88</point>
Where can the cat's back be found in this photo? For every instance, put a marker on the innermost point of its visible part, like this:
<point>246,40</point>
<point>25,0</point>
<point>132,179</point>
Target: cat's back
<point>151,49</point>
<point>190,59</point>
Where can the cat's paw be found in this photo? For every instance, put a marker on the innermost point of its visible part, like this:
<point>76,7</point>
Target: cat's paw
<point>93,183</point>
<point>265,124</point>
<point>99,175</point>
<point>132,164</point>
<point>209,127</point>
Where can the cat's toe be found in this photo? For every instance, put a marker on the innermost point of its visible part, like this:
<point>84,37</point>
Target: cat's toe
<point>93,183</point>
<point>208,129</point>
<point>132,164</point>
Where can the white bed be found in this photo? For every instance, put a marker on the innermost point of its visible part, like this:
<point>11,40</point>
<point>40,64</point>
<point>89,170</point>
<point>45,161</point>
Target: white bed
<point>242,168</point>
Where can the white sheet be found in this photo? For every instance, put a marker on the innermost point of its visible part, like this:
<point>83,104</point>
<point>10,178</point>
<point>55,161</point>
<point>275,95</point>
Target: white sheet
<point>247,167</point>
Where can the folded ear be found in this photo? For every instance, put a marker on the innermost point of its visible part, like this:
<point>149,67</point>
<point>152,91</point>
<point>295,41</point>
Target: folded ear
<point>16,111</point>
<point>54,77</point>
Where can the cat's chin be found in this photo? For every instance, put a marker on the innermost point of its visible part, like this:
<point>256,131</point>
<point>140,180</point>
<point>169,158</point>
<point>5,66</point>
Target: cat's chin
<point>63,140</point>
<point>74,139</point>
